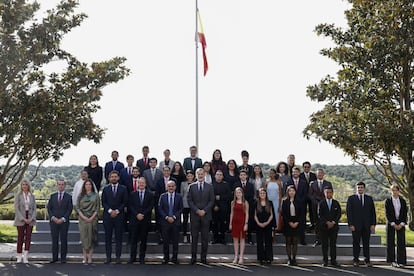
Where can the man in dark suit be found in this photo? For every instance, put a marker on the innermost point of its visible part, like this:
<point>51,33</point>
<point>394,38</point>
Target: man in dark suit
<point>309,177</point>
<point>193,162</point>
<point>114,200</point>
<point>59,209</point>
<point>221,209</point>
<point>132,183</point>
<point>249,192</point>
<point>396,212</point>
<point>170,209</point>
<point>143,163</point>
<point>329,215</point>
<point>302,189</point>
<point>113,165</point>
<point>360,210</point>
<point>140,204</point>
<point>201,202</point>
<point>125,174</point>
<point>316,194</point>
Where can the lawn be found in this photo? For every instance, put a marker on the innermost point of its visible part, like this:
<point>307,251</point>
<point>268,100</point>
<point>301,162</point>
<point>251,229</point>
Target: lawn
<point>8,233</point>
<point>409,236</point>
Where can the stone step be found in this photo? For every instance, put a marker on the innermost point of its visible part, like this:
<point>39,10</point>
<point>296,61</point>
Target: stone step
<point>73,236</point>
<point>184,248</point>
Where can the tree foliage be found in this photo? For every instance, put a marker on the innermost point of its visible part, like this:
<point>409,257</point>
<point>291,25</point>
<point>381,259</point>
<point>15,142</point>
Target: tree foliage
<point>43,113</point>
<point>368,104</point>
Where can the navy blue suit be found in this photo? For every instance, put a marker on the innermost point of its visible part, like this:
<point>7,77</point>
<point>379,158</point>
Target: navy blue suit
<point>139,228</point>
<point>114,202</point>
<point>170,231</point>
<point>58,210</point>
<point>109,167</point>
<point>125,177</point>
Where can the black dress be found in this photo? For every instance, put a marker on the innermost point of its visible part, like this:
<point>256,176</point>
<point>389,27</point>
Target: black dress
<point>96,174</point>
<point>264,235</point>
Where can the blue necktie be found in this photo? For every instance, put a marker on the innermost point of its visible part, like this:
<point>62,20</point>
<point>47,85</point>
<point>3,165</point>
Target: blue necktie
<point>170,207</point>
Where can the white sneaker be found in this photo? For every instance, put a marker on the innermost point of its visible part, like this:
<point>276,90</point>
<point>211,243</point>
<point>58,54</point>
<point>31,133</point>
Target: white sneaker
<point>394,264</point>
<point>19,258</point>
<point>401,265</point>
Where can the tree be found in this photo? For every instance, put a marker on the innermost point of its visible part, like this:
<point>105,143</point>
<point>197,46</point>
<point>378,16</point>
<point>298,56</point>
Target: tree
<point>41,113</point>
<point>368,105</point>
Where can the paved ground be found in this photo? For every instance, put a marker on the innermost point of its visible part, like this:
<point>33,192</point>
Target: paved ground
<point>200,270</point>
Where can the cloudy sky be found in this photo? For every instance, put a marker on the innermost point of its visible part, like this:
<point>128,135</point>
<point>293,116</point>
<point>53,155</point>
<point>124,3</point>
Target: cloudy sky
<point>262,56</point>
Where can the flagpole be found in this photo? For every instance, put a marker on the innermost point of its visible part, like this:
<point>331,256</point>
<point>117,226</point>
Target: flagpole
<point>196,72</point>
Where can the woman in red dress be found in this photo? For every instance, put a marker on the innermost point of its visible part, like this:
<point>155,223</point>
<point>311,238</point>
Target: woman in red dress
<point>239,218</point>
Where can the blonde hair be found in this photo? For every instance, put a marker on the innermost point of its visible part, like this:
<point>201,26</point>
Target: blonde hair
<point>28,185</point>
<point>234,197</point>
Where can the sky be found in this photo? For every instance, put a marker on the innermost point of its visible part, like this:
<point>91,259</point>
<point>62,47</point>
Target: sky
<point>262,55</point>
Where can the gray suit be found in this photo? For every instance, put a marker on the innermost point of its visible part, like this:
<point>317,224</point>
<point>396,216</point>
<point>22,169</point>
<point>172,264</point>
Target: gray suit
<point>200,200</point>
<point>151,182</point>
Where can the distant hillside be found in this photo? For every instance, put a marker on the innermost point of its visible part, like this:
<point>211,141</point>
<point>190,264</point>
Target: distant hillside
<point>343,178</point>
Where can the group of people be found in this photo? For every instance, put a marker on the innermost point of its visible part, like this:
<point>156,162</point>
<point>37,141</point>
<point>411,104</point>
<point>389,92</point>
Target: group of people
<point>217,196</point>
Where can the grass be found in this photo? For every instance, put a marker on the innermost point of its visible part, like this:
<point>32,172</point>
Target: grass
<point>409,236</point>
<point>8,233</point>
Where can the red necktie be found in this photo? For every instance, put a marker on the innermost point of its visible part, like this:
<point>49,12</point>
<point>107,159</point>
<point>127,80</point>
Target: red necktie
<point>135,184</point>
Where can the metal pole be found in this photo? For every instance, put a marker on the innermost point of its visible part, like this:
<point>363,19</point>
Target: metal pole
<point>196,72</point>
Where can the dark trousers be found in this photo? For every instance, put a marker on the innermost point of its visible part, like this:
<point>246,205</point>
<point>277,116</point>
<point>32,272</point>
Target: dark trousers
<point>313,212</point>
<point>186,215</point>
<point>401,251</point>
<point>59,231</point>
<point>219,225</point>
<point>170,234</point>
<point>365,234</point>
<point>302,223</point>
<point>24,235</point>
<point>139,233</point>
<point>264,243</point>
<point>199,224</point>
<point>111,224</point>
<point>328,238</point>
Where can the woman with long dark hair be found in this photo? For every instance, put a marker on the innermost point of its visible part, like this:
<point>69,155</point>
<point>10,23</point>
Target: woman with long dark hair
<point>263,216</point>
<point>217,162</point>
<point>95,172</point>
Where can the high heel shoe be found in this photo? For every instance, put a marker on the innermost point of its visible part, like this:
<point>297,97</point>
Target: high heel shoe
<point>235,260</point>
<point>241,260</point>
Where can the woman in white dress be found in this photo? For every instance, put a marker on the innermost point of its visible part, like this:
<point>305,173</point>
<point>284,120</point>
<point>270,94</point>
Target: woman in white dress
<point>274,192</point>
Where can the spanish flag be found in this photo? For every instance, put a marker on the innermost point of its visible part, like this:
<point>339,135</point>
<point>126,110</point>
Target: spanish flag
<point>202,40</point>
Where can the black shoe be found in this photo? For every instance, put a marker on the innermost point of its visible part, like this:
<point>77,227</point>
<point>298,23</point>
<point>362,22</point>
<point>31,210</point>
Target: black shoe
<point>53,261</point>
<point>63,261</point>
<point>118,260</point>
<point>335,264</point>
<point>142,261</point>
<point>355,263</point>
<point>317,243</point>
<point>204,261</point>
<point>303,243</point>
<point>175,261</point>
<point>193,261</point>
<point>214,242</point>
<point>165,261</point>
<point>107,261</point>
<point>325,264</point>
<point>262,262</point>
<point>131,261</point>
<point>368,263</point>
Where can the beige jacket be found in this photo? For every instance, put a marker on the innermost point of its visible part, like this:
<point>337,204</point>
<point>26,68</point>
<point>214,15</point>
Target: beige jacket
<point>20,210</point>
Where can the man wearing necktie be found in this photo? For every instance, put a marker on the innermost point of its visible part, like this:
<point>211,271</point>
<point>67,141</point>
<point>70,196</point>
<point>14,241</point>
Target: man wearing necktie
<point>140,207</point>
<point>113,165</point>
<point>59,209</point>
<point>144,163</point>
<point>170,207</point>
<point>114,201</point>
<point>360,210</point>
<point>329,214</point>
<point>316,195</point>
<point>201,202</point>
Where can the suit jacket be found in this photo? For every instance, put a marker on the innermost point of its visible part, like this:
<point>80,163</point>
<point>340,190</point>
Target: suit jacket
<point>312,177</point>
<point>287,217</point>
<point>109,168</point>
<point>161,165</point>
<point>188,166</point>
<point>124,177</point>
<point>224,191</point>
<point>301,191</point>
<point>62,210</point>
<point>136,207</point>
<point>152,183</point>
<point>390,211</point>
<point>329,215</point>
<point>160,186</point>
<point>362,217</point>
<point>130,185</point>
<point>119,202</point>
<point>163,207</point>
<point>201,200</point>
<point>249,191</point>
<point>20,209</point>
<point>141,165</point>
<point>315,194</point>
